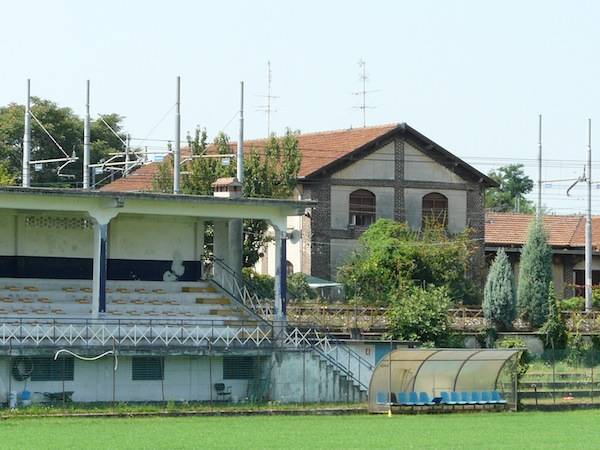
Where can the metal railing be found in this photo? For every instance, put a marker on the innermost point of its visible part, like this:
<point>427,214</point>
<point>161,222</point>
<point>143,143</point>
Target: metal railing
<point>226,278</point>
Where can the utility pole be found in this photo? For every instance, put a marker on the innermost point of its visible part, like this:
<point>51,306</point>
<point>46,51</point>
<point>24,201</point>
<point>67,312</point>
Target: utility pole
<point>268,98</point>
<point>86,139</point>
<point>127,149</point>
<point>588,225</point>
<point>539,199</point>
<point>27,138</point>
<point>363,76</point>
<point>240,146</point>
<point>177,151</point>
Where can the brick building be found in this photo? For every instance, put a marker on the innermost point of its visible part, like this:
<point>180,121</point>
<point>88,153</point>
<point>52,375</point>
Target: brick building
<point>360,175</point>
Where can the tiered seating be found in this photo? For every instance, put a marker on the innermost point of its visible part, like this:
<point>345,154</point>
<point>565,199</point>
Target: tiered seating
<point>125,299</point>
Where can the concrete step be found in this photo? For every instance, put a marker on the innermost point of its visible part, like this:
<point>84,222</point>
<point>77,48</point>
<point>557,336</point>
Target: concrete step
<point>213,301</point>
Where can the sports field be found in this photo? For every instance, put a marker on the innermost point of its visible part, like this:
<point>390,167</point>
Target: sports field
<point>568,430</point>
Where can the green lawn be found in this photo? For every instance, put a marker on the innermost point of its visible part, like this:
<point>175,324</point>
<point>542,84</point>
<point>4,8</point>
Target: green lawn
<point>569,430</point>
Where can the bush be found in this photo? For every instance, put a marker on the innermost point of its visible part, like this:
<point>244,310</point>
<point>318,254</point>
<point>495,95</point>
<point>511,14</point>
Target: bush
<point>421,314</point>
<point>573,304</point>
<point>298,288</point>
<point>524,357</point>
<point>535,275</point>
<point>555,327</point>
<point>499,293</point>
<point>261,285</point>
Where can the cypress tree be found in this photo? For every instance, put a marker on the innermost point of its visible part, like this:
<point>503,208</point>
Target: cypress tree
<point>535,275</point>
<point>499,293</point>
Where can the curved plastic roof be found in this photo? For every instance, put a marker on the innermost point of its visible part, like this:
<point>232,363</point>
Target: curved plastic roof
<point>437,370</point>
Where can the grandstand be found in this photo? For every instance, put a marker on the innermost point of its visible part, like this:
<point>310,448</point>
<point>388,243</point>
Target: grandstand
<point>94,272</point>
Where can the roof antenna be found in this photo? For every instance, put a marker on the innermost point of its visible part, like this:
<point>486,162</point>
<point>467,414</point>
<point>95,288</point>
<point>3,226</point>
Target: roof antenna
<point>363,77</point>
<point>268,108</point>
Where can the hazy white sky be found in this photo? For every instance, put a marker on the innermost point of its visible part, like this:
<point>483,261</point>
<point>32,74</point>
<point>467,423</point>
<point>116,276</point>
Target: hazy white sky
<point>471,75</point>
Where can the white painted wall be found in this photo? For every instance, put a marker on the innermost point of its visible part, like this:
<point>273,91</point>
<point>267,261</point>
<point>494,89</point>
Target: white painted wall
<point>152,237</point>
<point>379,165</point>
<point>457,207</point>
<point>186,378</point>
<point>419,167</point>
<point>340,204</point>
<point>7,235</point>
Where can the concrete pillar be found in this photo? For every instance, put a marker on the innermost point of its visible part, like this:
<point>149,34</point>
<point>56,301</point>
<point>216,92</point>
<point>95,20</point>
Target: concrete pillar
<point>220,246</point>
<point>99,268</point>
<point>236,246</point>
<point>280,319</point>
<point>199,245</point>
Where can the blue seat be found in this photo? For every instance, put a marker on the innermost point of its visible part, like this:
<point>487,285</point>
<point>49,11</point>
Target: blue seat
<point>425,399</point>
<point>414,399</point>
<point>496,396</point>
<point>476,397</point>
<point>465,397</point>
<point>381,398</point>
<point>446,398</point>
<point>455,397</point>
<point>403,399</point>
<point>486,396</point>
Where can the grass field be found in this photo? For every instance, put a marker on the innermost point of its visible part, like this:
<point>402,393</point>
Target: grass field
<point>569,430</point>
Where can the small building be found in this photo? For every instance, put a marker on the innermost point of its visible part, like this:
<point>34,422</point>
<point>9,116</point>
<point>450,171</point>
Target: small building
<point>566,236</point>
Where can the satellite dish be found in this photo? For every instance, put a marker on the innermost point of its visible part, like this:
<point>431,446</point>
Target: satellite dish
<point>294,236</point>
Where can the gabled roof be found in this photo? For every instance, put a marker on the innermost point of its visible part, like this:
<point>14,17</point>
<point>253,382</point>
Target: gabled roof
<point>510,229</point>
<point>327,151</point>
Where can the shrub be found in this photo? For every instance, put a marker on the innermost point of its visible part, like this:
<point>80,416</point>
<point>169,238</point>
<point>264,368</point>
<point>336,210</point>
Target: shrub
<point>573,304</point>
<point>555,327</point>
<point>298,288</point>
<point>421,314</point>
<point>262,285</point>
<point>499,293</point>
<point>524,357</point>
<point>535,275</point>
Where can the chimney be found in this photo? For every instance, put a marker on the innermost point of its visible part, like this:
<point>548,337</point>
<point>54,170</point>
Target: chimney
<point>227,188</point>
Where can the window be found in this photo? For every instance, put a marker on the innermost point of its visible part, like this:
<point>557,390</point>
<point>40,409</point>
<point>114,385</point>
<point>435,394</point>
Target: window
<point>434,209</point>
<point>289,268</point>
<point>362,208</point>
<point>240,367</point>
<point>145,368</point>
<point>47,369</point>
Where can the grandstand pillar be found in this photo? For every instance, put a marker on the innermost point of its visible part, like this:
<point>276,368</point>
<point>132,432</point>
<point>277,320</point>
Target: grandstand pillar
<point>236,245</point>
<point>280,317</point>
<point>220,244</point>
<point>100,265</point>
<point>199,248</point>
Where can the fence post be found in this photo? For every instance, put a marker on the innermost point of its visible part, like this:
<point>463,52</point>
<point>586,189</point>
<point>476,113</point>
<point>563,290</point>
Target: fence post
<point>303,376</point>
<point>553,375</point>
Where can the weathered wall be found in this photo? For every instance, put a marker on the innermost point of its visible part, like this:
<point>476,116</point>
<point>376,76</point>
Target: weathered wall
<point>420,167</point>
<point>341,249</point>
<point>375,166</point>
<point>7,235</point>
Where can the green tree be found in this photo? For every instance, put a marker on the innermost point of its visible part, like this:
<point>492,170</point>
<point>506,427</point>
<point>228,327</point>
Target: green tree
<point>391,257</point>
<point>298,288</point>
<point>535,275</point>
<point>420,314</point>
<point>499,300</point>
<point>66,127</point>
<point>269,172</point>
<point>514,184</point>
<point>555,328</point>
<point>6,177</point>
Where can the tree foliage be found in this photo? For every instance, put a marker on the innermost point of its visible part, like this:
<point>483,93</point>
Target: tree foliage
<point>535,275</point>
<point>555,328</point>
<point>298,288</point>
<point>420,314</point>
<point>6,177</point>
<point>391,257</point>
<point>66,127</point>
<point>510,195</point>
<point>499,299</point>
<point>269,172</point>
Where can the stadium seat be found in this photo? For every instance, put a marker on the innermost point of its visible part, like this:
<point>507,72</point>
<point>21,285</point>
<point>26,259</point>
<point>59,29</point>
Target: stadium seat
<point>496,396</point>
<point>414,399</point>
<point>381,398</point>
<point>424,398</point>
<point>403,399</point>
<point>446,398</point>
<point>487,397</point>
<point>476,397</point>
<point>456,398</point>
<point>466,397</point>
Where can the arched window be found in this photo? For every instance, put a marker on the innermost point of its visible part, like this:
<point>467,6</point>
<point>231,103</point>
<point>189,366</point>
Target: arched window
<point>434,209</point>
<point>290,268</point>
<point>362,208</point>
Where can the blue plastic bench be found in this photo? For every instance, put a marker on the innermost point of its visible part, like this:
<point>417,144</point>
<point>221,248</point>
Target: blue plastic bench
<point>425,399</point>
<point>404,400</point>
<point>496,396</point>
<point>476,397</point>
<point>446,398</point>
<point>465,397</point>
<point>414,399</point>
<point>455,397</point>
<point>487,397</point>
<point>381,398</point>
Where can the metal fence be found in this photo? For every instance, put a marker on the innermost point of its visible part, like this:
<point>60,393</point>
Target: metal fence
<point>562,379</point>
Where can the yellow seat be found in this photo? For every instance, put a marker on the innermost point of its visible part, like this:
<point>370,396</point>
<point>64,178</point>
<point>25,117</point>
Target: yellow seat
<point>44,300</point>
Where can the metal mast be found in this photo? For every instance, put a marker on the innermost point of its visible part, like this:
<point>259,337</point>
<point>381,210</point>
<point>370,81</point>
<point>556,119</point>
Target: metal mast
<point>588,225</point>
<point>86,139</point>
<point>177,150</point>
<point>27,138</point>
<point>539,199</point>
<point>240,146</point>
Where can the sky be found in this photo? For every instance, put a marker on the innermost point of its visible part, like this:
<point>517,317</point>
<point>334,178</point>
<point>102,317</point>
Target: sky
<point>471,75</point>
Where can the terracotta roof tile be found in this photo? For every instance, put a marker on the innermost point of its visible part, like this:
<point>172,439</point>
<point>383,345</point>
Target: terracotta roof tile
<point>563,231</point>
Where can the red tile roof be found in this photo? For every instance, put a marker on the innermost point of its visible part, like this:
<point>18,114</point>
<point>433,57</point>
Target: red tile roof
<point>509,229</point>
<point>319,150</point>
